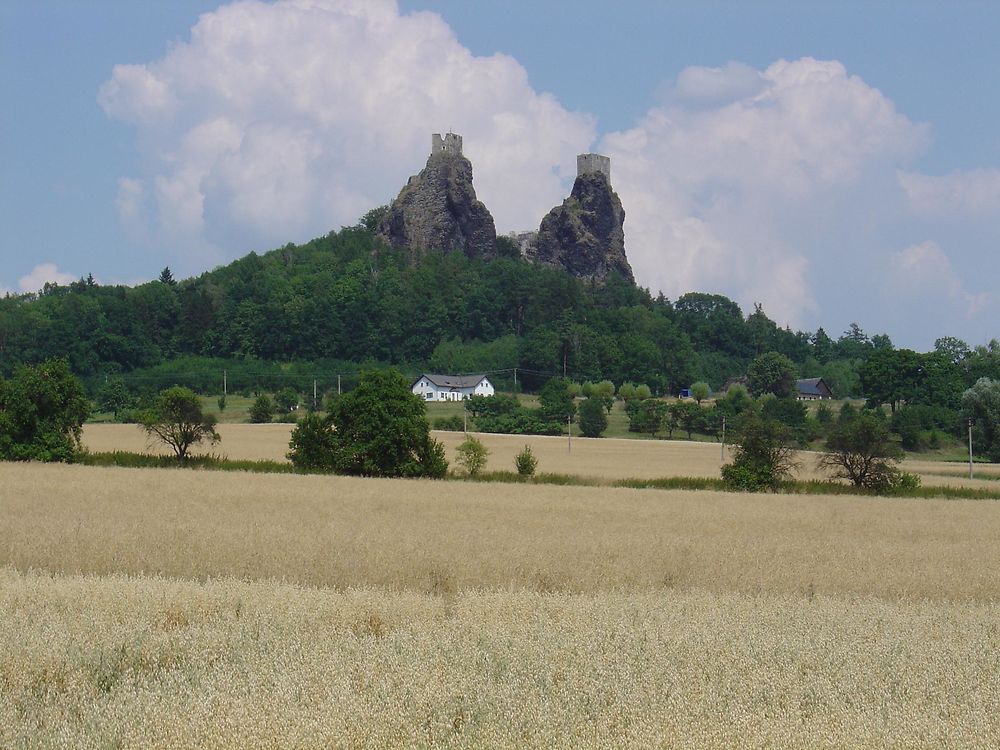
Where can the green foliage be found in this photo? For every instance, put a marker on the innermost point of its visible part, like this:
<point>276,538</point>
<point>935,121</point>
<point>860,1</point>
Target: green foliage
<point>771,372</point>
<point>981,404</point>
<point>222,403</point>
<point>762,459</point>
<point>593,417</point>
<point>918,426</point>
<point>645,416</point>
<point>378,429</point>
<point>556,401</point>
<point>472,455</point>
<point>791,413</point>
<point>167,277</point>
<point>504,414</point>
<point>285,400</point>
<point>736,401</point>
<point>371,220</point>
<point>626,391</point>
<point>454,423</point>
<point>700,391</point>
<point>861,451</point>
<point>42,409</point>
<point>114,396</point>
<point>176,419</point>
<point>689,417</point>
<point>525,462</point>
<point>312,444</point>
<point>643,391</point>
<point>261,410</point>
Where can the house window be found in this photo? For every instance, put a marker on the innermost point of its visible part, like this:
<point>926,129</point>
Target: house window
<point>429,396</point>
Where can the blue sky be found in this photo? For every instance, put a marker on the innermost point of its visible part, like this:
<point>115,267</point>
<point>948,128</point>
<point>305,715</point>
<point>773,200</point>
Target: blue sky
<point>834,161</point>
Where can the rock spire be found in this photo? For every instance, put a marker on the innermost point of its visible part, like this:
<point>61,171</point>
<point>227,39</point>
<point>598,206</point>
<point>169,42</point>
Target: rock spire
<point>585,235</point>
<point>437,210</point>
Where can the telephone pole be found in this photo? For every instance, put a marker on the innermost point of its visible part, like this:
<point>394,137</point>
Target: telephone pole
<point>970,449</point>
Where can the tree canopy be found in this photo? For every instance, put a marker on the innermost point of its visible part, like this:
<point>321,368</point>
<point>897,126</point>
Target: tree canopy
<point>177,420</point>
<point>379,429</point>
<point>42,409</point>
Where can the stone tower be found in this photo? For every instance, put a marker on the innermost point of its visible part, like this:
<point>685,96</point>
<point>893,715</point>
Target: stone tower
<point>587,163</point>
<point>450,144</point>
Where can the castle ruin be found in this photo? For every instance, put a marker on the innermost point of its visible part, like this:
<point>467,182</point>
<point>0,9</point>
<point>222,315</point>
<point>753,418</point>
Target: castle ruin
<point>450,144</point>
<point>588,163</point>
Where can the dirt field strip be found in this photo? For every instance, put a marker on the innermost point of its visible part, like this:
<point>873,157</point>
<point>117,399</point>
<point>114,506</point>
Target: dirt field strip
<point>600,458</point>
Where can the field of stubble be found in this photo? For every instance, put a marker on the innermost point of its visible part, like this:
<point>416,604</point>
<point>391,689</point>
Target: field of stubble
<point>164,608</point>
<point>594,458</point>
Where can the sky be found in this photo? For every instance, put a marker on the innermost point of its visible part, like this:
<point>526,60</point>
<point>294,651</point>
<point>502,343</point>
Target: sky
<point>832,161</point>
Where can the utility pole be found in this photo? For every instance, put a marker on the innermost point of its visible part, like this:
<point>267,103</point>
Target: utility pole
<point>338,384</point>
<point>515,380</point>
<point>723,437</point>
<point>225,383</point>
<point>970,449</point>
<point>465,419</point>
<point>314,394</point>
<point>569,434</point>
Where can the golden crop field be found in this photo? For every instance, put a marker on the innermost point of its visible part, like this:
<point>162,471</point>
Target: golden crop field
<point>596,458</point>
<point>167,608</point>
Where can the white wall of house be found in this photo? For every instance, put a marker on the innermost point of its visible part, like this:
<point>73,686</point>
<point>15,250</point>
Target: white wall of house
<point>429,391</point>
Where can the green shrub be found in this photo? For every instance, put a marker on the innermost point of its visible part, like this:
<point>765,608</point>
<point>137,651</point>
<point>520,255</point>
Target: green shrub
<point>261,410</point>
<point>453,423</point>
<point>472,455</point>
<point>525,462</point>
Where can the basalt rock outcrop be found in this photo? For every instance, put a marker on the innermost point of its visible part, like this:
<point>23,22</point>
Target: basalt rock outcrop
<point>585,235</point>
<point>437,210</point>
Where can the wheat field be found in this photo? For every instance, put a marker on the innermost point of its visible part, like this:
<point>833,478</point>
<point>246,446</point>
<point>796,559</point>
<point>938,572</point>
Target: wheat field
<point>163,608</point>
<point>593,458</point>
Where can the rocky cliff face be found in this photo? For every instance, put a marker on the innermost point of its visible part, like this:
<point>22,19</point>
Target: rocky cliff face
<point>584,235</point>
<point>438,210</point>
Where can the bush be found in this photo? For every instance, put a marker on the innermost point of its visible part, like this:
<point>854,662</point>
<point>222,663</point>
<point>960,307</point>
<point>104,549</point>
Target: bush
<point>593,418</point>
<point>453,423</point>
<point>42,410</point>
<point>762,459</point>
<point>261,410</point>
<point>378,429</point>
<point>525,462</point>
<point>312,444</point>
<point>472,455</point>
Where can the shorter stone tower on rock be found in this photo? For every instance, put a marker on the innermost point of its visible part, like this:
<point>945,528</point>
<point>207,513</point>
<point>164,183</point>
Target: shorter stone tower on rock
<point>587,163</point>
<point>450,144</point>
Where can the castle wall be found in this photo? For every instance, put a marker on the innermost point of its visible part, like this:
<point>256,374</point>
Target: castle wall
<point>449,144</point>
<point>586,163</point>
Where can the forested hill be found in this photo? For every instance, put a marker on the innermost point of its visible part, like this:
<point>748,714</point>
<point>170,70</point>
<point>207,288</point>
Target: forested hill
<point>344,298</point>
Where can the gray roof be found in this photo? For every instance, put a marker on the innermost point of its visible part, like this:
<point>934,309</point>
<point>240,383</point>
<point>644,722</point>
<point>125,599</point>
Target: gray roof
<point>812,387</point>
<point>452,381</point>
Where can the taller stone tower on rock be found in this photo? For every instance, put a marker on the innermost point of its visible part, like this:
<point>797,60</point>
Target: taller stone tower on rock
<point>585,235</point>
<point>438,210</point>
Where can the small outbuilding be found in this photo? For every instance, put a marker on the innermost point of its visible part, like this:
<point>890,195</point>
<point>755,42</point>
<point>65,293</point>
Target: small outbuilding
<point>431,387</point>
<point>812,389</point>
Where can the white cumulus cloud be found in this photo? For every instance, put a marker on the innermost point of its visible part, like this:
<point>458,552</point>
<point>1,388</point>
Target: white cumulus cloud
<point>924,273</point>
<point>751,196</point>
<point>970,193</point>
<point>277,122</point>
<point>42,274</point>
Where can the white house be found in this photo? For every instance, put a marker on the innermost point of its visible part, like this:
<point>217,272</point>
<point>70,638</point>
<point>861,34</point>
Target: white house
<point>451,387</point>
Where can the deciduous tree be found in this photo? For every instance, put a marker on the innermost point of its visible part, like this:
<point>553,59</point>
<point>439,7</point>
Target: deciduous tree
<point>176,419</point>
<point>42,409</point>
